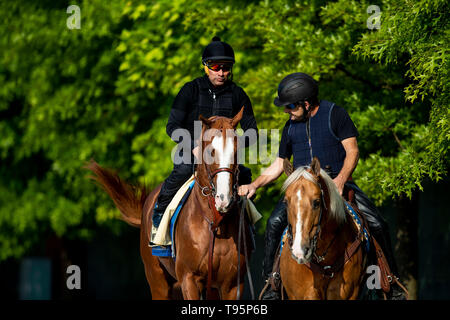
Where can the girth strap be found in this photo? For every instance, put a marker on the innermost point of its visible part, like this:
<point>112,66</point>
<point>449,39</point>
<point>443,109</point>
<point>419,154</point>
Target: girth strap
<point>329,271</point>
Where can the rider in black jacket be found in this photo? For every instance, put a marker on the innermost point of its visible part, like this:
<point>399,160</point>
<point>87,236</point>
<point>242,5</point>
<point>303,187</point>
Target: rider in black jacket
<point>214,94</point>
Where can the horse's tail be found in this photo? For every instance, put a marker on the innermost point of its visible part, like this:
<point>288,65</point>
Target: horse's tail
<point>129,199</point>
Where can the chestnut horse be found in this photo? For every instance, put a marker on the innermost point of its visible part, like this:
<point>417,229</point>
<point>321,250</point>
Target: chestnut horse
<point>323,257</point>
<point>206,234</point>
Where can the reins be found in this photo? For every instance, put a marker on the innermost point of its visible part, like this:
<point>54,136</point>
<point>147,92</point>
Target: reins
<point>214,225</point>
<point>243,202</point>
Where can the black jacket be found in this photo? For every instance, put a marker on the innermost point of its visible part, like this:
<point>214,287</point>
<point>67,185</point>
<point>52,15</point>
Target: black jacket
<point>201,97</point>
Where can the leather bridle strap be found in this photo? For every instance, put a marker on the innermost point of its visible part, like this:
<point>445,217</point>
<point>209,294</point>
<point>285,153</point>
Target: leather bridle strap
<point>221,170</point>
<point>329,271</point>
<point>213,225</point>
<point>212,237</point>
<point>242,235</point>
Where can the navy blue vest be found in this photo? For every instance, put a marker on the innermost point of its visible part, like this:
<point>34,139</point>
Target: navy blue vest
<point>324,143</point>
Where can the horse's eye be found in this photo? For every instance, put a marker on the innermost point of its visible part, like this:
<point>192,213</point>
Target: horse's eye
<point>316,204</point>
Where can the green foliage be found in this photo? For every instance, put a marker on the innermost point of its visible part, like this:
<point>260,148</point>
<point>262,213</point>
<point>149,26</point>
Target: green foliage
<point>104,92</point>
<point>416,34</point>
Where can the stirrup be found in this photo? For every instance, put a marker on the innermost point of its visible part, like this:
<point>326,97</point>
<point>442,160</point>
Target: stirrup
<point>270,290</point>
<point>270,294</point>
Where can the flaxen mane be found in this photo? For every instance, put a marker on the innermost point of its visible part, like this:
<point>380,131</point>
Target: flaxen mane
<point>337,207</point>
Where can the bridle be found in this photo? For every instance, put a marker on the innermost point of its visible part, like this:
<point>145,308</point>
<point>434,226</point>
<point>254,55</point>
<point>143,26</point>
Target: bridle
<point>210,191</point>
<point>329,270</point>
<point>217,216</point>
<point>323,206</point>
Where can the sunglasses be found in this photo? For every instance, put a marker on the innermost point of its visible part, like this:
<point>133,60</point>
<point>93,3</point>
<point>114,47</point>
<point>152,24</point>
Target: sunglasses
<point>219,66</point>
<point>292,106</point>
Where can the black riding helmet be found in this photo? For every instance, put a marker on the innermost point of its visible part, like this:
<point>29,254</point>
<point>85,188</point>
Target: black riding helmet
<point>296,87</point>
<point>218,50</point>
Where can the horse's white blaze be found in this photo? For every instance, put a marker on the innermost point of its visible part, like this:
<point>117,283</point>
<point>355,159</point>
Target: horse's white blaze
<point>225,154</point>
<point>297,249</point>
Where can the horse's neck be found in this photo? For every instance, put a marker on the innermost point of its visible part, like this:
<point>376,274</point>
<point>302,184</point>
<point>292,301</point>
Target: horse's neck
<point>334,238</point>
<point>329,228</point>
<point>199,199</point>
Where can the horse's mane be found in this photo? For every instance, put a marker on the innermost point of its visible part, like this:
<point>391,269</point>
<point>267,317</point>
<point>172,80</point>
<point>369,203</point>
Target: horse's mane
<point>337,207</point>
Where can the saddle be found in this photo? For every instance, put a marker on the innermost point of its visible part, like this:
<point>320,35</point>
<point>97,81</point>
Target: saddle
<point>163,238</point>
<point>387,278</point>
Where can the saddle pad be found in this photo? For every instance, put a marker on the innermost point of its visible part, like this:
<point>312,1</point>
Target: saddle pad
<point>358,224</point>
<point>283,239</point>
<point>162,239</point>
<point>168,248</point>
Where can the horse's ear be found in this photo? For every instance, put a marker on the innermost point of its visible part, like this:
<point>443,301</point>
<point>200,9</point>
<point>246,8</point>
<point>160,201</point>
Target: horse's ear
<point>238,117</point>
<point>315,166</point>
<point>288,167</point>
<point>205,121</point>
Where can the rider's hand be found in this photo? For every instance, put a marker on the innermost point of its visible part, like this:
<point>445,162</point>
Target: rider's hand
<point>247,190</point>
<point>339,184</point>
<point>196,152</point>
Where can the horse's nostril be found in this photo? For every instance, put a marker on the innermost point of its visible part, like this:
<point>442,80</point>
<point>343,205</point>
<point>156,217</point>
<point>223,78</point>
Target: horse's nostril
<point>306,251</point>
<point>222,197</point>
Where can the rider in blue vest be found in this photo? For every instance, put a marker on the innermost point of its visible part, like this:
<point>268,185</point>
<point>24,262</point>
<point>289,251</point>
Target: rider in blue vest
<point>315,129</point>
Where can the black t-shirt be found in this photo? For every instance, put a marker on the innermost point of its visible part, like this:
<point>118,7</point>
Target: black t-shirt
<point>341,124</point>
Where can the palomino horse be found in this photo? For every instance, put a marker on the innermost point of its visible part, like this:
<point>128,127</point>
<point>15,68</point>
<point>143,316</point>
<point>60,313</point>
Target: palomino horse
<point>323,257</point>
<point>206,235</point>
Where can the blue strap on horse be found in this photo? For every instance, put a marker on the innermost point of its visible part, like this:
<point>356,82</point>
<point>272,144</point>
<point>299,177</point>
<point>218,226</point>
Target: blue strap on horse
<point>281,240</point>
<point>358,222</point>
<point>170,251</point>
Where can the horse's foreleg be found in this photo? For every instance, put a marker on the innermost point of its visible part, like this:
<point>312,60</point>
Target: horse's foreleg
<point>231,293</point>
<point>189,287</point>
<point>157,277</point>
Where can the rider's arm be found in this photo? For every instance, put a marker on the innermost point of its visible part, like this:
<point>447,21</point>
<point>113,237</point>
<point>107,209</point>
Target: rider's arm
<point>270,174</point>
<point>351,160</point>
<point>274,170</point>
<point>180,110</point>
<point>345,130</point>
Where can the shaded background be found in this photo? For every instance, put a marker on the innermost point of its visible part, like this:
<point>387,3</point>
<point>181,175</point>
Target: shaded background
<point>104,91</point>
